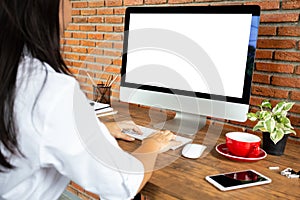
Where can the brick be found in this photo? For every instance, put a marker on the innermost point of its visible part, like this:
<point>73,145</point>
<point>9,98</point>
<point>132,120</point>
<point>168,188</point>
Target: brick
<point>67,34</point>
<point>80,35</point>
<point>102,60</point>
<point>255,100</point>
<point>95,19</point>
<point>79,64</point>
<point>72,42</point>
<point>281,17</point>
<point>297,71</point>
<point>113,2</point>
<point>112,69</point>
<point>119,11</point>
<point>93,67</point>
<point>105,11</point>
<point>117,62</point>
<point>80,19</point>
<point>118,45</point>
<point>88,12</point>
<point>118,28</point>
<point>155,1</point>
<point>87,58</point>
<point>261,78</point>
<point>112,53</point>
<point>116,85</point>
<point>266,5</point>
<point>103,75</point>
<point>68,63</point>
<point>96,51</point>
<point>72,56</point>
<point>97,3</point>
<point>113,37</point>
<point>275,67</point>
<point>287,56</point>
<point>73,27</point>
<point>276,43</point>
<point>87,43</point>
<point>179,1</point>
<point>104,28</point>
<point>290,4</point>
<point>295,95</point>
<point>95,36</point>
<point>269,92</point>
<point>267,30</point>
<point>114,20</point>
<point>285,81</point>
<point>73,71</point>
<point>79,4</point>
<point>264,54</point>
<point>295,120</point>
<point>75,12</point>
<point>289,30</point>
<point>66,48</point>
<point>87,28</point>
<point>295,108</point>
<point>79,49</point>
<point>104,44</point>
<point>133,2</point>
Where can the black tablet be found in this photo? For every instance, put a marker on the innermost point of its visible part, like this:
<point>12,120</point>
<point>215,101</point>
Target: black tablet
<point>236,180</point>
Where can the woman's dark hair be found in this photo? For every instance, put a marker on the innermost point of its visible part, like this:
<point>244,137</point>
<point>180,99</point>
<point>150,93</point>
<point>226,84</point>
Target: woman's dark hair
<point>34,24</point>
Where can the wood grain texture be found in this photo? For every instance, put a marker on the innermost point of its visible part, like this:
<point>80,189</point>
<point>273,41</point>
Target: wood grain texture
<point>177,177</point>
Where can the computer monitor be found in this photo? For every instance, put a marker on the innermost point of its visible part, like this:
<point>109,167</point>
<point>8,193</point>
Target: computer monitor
<point>196,60</point>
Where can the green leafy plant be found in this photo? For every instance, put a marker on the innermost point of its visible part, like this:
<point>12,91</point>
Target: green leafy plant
<point>273,120</point>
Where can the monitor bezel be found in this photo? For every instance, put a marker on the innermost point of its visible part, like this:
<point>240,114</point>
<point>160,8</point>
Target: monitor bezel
<point>254,10</point>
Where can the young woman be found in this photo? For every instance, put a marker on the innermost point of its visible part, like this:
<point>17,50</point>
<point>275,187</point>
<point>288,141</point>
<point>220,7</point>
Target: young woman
<point>49,135</point>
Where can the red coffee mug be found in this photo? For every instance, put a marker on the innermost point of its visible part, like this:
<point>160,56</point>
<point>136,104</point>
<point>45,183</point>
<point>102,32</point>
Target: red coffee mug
<point>243,144</point>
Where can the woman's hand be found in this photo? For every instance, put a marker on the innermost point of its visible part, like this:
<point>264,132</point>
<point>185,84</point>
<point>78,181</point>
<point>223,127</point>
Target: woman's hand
<point>163,139</point>
<point>115,129</point>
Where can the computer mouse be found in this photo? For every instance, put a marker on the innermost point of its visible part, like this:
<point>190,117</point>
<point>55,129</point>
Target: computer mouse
<point>193,150</point>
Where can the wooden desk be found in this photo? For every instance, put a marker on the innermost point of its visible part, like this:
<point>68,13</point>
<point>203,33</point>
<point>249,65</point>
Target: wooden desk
<point>184,178</point>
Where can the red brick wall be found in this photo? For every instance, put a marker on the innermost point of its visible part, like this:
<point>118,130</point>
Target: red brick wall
<point>93,44</point>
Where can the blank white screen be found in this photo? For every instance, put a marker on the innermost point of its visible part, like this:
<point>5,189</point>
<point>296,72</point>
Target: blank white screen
<point>224,37</point>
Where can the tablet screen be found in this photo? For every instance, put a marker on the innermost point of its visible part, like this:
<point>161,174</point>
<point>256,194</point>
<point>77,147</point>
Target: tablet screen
<point>234,180</point>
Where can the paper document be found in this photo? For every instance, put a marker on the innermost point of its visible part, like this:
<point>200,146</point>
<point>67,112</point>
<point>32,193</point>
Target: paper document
<point>101,107</point>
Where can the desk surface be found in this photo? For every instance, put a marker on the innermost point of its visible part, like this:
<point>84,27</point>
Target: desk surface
<point>177,177</point>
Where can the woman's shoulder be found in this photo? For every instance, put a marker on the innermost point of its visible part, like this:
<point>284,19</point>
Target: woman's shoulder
<point>32,70</point>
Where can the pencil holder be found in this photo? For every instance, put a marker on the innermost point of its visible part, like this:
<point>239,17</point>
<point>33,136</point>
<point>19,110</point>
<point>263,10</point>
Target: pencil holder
<point>101,93</point>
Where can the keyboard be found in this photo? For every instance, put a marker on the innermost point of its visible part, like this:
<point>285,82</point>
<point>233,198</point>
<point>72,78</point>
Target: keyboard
<point>148,131</point>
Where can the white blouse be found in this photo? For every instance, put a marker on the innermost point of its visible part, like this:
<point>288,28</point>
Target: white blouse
<point>62,140</point>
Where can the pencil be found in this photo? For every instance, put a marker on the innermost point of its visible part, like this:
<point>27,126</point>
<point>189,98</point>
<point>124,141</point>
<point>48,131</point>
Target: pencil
<point>108,80</point>
<point>112,81</point>
<point>93,82</point>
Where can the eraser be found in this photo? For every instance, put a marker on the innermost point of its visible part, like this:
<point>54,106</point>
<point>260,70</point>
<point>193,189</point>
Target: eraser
<point>274,168</point>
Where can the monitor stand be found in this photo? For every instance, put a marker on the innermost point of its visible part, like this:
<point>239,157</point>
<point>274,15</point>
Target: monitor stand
<point>183,123</point>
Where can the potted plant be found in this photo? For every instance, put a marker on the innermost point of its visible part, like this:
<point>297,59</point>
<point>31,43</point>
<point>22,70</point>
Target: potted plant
<point>274,124</point>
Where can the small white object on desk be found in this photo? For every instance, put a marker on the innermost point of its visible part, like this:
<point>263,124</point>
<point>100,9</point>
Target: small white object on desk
<point>274,168</point>
<point>193,150</point>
